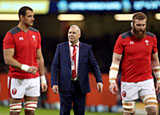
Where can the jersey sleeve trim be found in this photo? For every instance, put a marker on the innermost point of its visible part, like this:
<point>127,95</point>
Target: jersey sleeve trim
<point>126,34</point>
<point>117,52</point>
<point>153,52</point>
<point>33,29</point>
<point>150,34</point>
<point>14,30</point>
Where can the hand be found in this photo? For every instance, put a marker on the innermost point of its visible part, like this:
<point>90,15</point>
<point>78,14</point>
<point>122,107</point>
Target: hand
<point>43,83</point>
<point>32,69</point>
<point>113,88</point>
<point>158,87</point>
<point>44,87</point>
<point>55,89</point>
<point>100,87</point>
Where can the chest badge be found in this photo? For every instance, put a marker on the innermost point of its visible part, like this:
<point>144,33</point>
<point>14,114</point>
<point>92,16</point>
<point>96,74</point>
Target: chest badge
<point>147,42</point>
<point>34,37</point>
<point>21,38</point>
<point>131,42</point>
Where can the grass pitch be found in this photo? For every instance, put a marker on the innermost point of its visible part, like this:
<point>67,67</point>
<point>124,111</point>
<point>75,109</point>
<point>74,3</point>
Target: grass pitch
<point>5,111</point>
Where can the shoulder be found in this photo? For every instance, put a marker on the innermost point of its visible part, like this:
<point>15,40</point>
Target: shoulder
<point>14,30</point>
<point>33,29</point>
<point>62,44</point>
<point>126,34</point>
<point>150,34</point>
<point>85,45</point>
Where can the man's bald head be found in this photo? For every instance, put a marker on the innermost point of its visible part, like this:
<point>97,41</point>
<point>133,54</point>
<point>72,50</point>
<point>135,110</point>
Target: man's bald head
<point>76,27</point>
<point>74,34</point>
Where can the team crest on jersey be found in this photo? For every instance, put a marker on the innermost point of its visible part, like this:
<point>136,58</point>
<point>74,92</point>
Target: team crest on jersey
<point>21,38</point>
<point>34,37</point>
<point>124,94</point>
<point>131,42</point>
<point>147,42</point>
<point>14,91</point>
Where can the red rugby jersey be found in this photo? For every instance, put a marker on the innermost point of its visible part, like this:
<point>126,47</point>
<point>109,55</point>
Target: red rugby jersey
<point>136,59</point>
<point>25,45</point>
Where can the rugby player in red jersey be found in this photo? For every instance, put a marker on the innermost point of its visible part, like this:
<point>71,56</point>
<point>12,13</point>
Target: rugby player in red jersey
<point>136,50</point>
<point>22,53</point>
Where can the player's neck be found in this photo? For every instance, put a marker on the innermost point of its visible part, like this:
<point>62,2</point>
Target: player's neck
<point>132,31</point>
<point>23,27</point>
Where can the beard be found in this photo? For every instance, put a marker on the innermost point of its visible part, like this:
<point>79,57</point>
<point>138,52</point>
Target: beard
<point>139,33</point>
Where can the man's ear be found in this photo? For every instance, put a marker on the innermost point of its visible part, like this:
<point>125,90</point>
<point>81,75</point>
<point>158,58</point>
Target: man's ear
<point>21,17</point>
<point>132,24</point>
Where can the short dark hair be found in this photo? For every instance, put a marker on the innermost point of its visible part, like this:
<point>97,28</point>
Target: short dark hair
<point>22,10</point>
<point>139,16</point>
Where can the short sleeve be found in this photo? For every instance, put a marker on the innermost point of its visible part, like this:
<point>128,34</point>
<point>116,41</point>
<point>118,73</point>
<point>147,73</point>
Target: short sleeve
<point>154,49</point>
<point>118,48</point>
<point>39,41</point>
<point>8,41</point>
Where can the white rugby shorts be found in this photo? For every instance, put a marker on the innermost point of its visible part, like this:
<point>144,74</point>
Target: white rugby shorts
<point>18,88</point>
<point>132,91</point>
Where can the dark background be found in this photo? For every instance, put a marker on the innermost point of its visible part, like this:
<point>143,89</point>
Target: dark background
<point>99,29</point>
